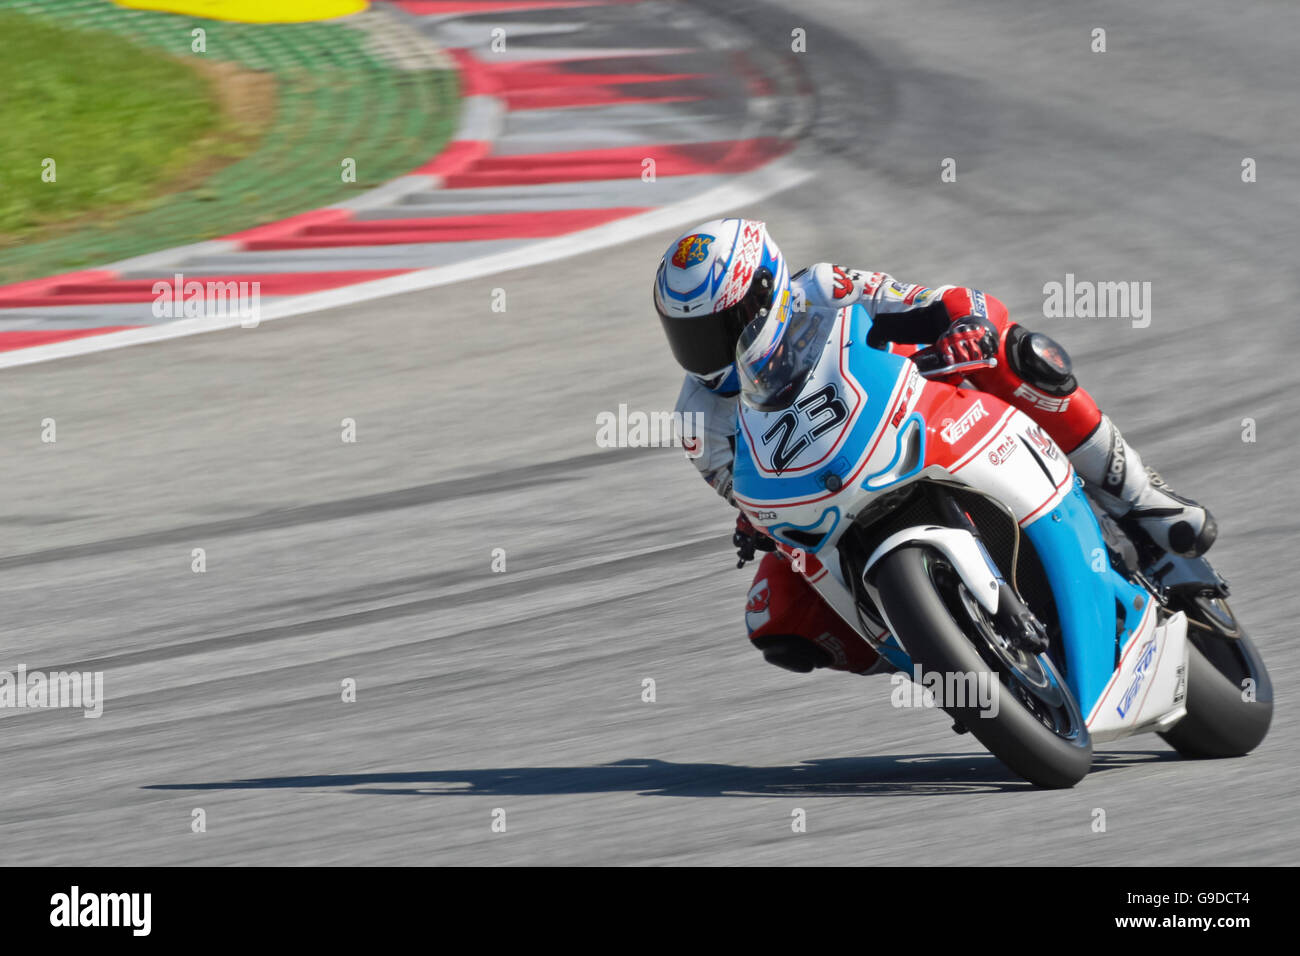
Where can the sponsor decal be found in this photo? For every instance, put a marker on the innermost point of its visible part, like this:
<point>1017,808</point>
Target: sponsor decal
<point>720,480</point>
<point>764,515</point>
<point>758,608</point>
<point>952,431</point>
<point>918,291</point>
<point>978,304</point>
<point>832,646</point>
<point>901,409</point>
<point>1116,466</point>
<point>1004,450</point>
<point>843,284</point>
<point>1145,658</point>
<point>692,250</point>
<point>1047,403</point>
<point>1043,442</point>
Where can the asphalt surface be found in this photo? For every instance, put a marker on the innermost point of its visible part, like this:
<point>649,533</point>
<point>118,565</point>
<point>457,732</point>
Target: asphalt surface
<point>522,690</point>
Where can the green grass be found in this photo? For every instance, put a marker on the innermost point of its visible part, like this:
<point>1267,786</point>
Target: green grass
<point>116,121</point>
<point>332,94</point>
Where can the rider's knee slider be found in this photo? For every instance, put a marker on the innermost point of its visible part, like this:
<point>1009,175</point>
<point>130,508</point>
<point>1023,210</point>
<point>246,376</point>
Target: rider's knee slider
<point>1040,361</point>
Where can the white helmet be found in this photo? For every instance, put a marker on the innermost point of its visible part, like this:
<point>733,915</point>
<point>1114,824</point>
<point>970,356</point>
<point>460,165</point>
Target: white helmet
<point>713,282</point>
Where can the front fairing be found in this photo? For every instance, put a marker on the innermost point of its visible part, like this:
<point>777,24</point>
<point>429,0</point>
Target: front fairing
<point>799,470</point>
<point>866,423</point>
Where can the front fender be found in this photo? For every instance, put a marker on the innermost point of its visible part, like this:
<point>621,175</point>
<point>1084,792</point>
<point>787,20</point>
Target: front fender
<point>971,562</point>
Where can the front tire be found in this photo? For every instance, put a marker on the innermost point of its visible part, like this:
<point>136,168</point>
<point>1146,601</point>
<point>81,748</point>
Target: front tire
<point>1038,731</point>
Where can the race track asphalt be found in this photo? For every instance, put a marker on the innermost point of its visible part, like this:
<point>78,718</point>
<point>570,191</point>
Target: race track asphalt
<point>522,690</point>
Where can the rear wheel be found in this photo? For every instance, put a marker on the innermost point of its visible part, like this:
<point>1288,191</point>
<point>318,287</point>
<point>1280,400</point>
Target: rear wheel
<point>1036,728</point>
<point>1229,694</point>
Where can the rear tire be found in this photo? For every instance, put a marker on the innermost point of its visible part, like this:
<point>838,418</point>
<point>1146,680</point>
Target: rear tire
<point>1219,722</point>
<point>940,637</point>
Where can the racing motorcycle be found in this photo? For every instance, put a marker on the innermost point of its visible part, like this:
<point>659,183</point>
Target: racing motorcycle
<point>949,530</point>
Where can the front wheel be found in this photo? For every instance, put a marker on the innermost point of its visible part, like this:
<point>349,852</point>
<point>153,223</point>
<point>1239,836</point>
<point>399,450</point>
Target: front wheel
<point>1036,729</point>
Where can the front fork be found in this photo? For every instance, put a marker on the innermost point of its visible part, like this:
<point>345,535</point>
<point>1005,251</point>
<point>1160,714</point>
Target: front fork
<point>1013,617</point>
<point>958,540</point>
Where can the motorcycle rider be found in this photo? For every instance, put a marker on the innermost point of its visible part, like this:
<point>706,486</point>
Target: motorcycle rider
<point>727,274</point>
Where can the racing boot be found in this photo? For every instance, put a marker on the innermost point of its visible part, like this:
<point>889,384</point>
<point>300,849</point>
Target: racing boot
<point>1130,492</point>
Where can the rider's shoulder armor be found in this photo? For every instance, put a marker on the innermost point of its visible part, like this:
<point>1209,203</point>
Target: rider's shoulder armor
<point>827,285</point>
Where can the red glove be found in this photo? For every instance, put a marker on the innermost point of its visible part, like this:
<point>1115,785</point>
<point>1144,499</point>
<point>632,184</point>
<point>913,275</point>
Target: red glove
<point>971,338</point>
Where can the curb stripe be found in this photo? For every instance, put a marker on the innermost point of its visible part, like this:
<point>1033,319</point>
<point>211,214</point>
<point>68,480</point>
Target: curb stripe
<point>36,338</point>
<point>621,162</point>
<point>386,232</point>
<point>109,291</point>
<point>774,178</point>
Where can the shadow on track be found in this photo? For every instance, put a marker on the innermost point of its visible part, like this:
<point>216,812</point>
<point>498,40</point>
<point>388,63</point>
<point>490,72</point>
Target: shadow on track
<point>908,774</point>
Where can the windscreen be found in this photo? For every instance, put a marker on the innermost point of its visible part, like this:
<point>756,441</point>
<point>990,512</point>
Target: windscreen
<point>777,351</point>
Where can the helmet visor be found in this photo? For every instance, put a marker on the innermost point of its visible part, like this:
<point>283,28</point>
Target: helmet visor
<point>706,343</point>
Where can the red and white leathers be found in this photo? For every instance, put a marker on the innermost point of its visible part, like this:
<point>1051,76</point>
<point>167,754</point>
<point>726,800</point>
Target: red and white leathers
<point>785,617</point>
